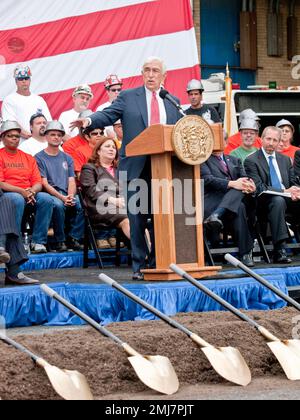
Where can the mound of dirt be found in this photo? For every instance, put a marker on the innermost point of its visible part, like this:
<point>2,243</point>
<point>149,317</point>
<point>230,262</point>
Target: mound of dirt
<point>108,370</point>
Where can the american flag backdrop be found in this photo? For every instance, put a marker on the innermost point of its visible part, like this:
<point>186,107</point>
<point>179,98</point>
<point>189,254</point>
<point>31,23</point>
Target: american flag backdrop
<point>69,42</point>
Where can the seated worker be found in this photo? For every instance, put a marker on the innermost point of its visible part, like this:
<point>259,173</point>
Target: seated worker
<point>209,113</point>
<point>83,153</point>
<point>37,141</point>
<point>235,140</point>
<point>285,146</point>
<point>21,179</point>
<point>226,188</point>
<point>12,251</point>
<point>100,188</point>
<point>249,132</point>
<point>272,171</point>
<point>71,145</point>
<point>58,179</point>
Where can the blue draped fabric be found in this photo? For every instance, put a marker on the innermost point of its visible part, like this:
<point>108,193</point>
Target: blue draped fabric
<point>75,260</point>
<point>26,306</point>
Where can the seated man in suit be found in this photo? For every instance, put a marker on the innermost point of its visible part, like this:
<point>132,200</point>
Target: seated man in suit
<point>272,171</point>
<point>297,166</point>
<point>226,187</point>
<point>12,251</point>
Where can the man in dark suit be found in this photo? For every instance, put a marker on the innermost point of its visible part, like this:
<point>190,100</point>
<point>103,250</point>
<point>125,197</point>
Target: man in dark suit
<point>272,171</point>
<point>137,109</point>
<point>297,165</point>
<point>226,187</point>
<point>12,251</point>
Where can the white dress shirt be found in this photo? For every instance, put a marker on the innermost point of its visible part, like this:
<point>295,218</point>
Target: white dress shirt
<point>275,165</point>
<point>162,109</point>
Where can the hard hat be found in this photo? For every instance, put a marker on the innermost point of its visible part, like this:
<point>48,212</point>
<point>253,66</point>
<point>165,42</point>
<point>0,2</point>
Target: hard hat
<point>21,71</point>
<point>249,124</point>
<point>112,80</point>
<point>55,126</point>
<point>83,89</point>
<point>194,84</point>
<point>86,113</point>
<point>8,126</point>
<point>284,122</point>
<point>248,114</point>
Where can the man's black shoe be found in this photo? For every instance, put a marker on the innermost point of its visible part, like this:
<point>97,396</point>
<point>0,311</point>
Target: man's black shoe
<point>74,244</point>
<point>20,280</point>
<point>247,259</point>
<point>138,276</point>
<point>213,222</point>
<point>280,257</point>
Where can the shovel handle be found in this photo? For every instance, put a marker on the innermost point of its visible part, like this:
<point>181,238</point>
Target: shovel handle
<point>50,292</point>
<point>19,346</point>
<point>238,264</point>
<point>214,296</point>
<point>144,304</point>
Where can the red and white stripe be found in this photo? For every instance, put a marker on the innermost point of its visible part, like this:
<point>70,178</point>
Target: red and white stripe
<point>66,43</point>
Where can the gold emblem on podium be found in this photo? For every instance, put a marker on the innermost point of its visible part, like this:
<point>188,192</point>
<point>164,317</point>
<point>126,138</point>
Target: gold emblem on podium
<point>193,140</point>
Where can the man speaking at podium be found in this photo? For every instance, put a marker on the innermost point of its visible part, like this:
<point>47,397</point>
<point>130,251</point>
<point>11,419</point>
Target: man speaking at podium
<point>138,108</point>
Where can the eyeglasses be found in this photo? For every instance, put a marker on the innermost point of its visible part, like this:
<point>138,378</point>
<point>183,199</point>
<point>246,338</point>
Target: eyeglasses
<point>96,133</point>
<point>115,90</point>
<point>13,136</point>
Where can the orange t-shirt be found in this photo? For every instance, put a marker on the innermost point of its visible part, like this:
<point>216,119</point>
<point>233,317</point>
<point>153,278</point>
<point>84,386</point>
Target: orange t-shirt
<point>71,145</point>
<point>19,169</point>
<point>290,152</point>
<point>235,141</point>
<point>81,156</point>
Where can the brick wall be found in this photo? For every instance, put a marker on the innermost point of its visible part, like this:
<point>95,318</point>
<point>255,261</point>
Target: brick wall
<point>274,68</point>
<point>196,16</point>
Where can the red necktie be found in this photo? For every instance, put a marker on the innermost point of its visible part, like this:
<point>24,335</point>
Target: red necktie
<point>155,118</point>
<point>223,164</point>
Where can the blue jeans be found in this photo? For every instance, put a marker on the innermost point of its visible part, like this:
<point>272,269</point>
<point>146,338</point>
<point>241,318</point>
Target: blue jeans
<point>76,219</point>
<point>43,209</point>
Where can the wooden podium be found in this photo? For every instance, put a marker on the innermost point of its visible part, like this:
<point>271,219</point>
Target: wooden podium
<point>176,241</point>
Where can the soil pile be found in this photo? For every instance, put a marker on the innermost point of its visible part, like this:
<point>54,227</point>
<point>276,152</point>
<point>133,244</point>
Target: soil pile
<point>108,370</point>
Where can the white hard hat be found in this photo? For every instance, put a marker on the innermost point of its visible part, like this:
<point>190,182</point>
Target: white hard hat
<point>248,114</point>
<point>8,126</point>
<point>83,89</point>
<point>194,84</point>
<point>249,124</point>
<point>284,122</point>
<point>55,126</point>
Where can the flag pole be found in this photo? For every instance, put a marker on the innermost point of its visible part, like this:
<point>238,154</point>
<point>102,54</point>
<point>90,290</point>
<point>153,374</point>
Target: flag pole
<point>228,90</point>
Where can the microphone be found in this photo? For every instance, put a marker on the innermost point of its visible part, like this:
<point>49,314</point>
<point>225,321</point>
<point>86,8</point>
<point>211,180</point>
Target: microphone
<point>164,94</point>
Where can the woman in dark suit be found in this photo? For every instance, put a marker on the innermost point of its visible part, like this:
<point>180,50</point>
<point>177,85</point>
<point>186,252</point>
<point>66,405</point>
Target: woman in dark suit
<point>101,190</point>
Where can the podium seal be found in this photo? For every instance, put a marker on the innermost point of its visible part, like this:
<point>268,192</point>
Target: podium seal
<point>193,140</point>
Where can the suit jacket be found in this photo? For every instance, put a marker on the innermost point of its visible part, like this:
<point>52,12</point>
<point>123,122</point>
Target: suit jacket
<point>131,108</point>
<point>97,185</point>
<point>216,183</point>
<point>297,165</point>
<point>258,169</point>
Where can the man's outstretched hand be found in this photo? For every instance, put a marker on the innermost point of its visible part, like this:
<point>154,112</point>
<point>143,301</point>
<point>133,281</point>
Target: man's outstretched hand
<point>79,123</point>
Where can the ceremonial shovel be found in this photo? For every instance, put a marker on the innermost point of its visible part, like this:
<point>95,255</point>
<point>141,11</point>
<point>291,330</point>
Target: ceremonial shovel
<point>236,263</point>
<point>226,361</point>
<point>69,384</point>
<point>287,352</point>
<point>156,372</point>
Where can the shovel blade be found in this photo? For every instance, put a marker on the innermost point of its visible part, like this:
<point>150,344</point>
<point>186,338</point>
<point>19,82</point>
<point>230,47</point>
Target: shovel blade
<point>69,384</point>
<point>229,363</point>
<point>287,353</point>
<point>156,372</point>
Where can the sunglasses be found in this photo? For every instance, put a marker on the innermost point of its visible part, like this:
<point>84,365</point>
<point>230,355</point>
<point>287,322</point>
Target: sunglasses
<point>20,79</point>
<point>115,90</point>
<point>96,133</point>
<point>13,136</point>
